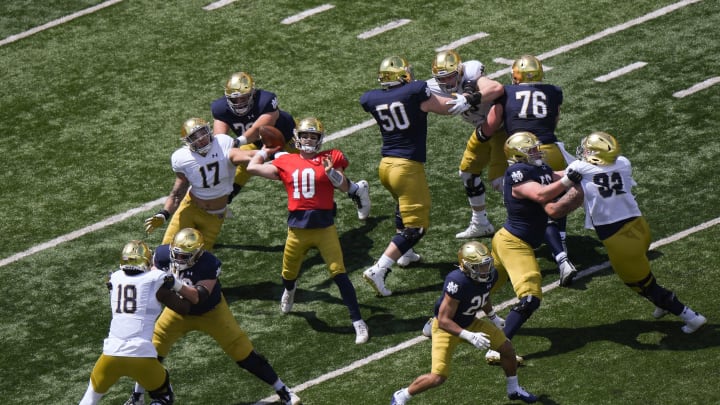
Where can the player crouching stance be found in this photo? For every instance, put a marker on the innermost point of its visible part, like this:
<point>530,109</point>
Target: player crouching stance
<point>465,291</point>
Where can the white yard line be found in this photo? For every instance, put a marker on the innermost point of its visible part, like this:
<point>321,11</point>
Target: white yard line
<point>463,41</point>
<point>54,23</point>
<point>384,28</point>
<point>619,72</point>
<point>307,13</point>
<point>218,4</point>
<point>700,86</point>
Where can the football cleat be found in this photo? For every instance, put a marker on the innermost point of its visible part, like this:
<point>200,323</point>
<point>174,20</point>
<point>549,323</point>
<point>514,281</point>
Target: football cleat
<point>492,357</point>
<point>288,397</point>
<point>375,276</point>
<point>694,324</point>
<point>475,231</point>
<point>361,332</point>
<point>136,398</point>
<point>427,328</point>
<point>522,395</point>
<point>409,257</point>
<point>659,313</point>
<point>287,300</point>
<point>567,272</point>
<point>362,199</point>
<point>397,398</point>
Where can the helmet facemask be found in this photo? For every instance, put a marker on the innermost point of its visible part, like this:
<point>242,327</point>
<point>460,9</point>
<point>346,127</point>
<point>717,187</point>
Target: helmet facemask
<point>475,261</point>
<point>186,249</point>
<point>447,69</point>
<point>240,93</point>
<point>305,143</point>
<point>200,140</point>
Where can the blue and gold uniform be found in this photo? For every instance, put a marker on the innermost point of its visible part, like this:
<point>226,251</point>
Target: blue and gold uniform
<point>196,273</point>
<point>263,102</point>
<point>471,296</point>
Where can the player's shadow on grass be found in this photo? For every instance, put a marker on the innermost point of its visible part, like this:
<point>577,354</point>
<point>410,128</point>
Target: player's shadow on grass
<point>666,335</point>
<point>379,324</point>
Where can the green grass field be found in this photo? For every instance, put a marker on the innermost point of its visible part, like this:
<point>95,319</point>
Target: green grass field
<point>91,110</point>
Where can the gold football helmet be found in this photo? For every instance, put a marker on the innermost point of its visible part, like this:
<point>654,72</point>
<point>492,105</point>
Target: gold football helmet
<point>524,147</point>
<point>197,135</point>
<point>186,248</point>
<point>309,125</point>
<point>447,69</point>
<point>475,261</point>
<point>599,148</point>
<point>136,256</point>
<point>395,70</point>
<point>240,92</point>
<point>527,69</point>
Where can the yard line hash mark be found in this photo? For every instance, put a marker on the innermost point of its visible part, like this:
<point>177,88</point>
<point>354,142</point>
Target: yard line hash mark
<point>54,23</point>
<point>384,28</point>
<point>695,88</point>
<point>619,72</point>
<point>307,13</point>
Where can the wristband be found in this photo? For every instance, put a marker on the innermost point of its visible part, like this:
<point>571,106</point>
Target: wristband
<point>165,213</point>
<point>263,154</point>
<point>336,178</point>
<point>474,98</point>
<point>240,141</point>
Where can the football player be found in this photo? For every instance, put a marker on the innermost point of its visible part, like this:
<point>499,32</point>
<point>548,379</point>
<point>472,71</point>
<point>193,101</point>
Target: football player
<point>611,209</point>
<point>533,106</point>
<point>465,291</point>
<point>204,169</point>
<point>196,279</point>
<point>137,294</point>
<point>310,179</point>
<point>244,109</point>
<point>401,107</point>
<point>530,195</point>
<point>484,148</point>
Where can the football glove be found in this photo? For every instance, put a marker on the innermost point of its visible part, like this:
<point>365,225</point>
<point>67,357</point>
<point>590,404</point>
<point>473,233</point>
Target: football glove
<point>571,178</point>
<point>156,220</point>
<point>478,339</point>
<point>171,282</point>
<point>459,104</point>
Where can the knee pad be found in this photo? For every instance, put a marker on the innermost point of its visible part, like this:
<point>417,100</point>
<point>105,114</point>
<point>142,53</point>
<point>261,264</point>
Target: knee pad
<point>527,306</point>
<point>408,238</point>
<point>474,186</point>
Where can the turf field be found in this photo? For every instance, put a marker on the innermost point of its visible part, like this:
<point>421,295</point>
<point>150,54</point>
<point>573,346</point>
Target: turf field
<point>91,109</point>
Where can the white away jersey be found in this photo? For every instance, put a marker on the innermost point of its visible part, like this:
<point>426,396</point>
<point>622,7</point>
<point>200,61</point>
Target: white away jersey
<point>210,176</point>
<point>134,309</point>
<point>472,70</point>
<point>608,192</point>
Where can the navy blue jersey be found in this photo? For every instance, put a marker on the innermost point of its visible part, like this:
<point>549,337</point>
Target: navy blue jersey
<point>207,267</point>
<point>403,125</point>
<point>526,219</point>
<point>471,294</point>
<point>264,102</point>
<point>532,107</point>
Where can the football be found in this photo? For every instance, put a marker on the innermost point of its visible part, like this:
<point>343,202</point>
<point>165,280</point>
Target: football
<point>271,137</point>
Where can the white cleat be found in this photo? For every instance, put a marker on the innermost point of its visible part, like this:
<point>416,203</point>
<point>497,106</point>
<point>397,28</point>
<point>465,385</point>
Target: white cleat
<point>361,332</point>
<point>567,273</point>
<point>287,301</point>
<point>409,257</point>
<point>694,324</point>
<point>427,328</point>
<point>375,276</point>
<point>362,199</point>
<point>476,230</point>
<point>493,357</point>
